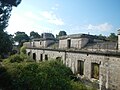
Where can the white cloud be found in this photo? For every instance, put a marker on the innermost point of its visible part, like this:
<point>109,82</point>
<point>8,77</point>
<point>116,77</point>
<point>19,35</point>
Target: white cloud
<point>55,7</point>
<point>21,23</point>
<point>27,24</point>
<point>33,16</point>
<point>100,27</point>
<point>52,18</point>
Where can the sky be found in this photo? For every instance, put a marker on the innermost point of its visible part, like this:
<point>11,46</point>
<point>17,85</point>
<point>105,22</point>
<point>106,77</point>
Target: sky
<point>93,17</point>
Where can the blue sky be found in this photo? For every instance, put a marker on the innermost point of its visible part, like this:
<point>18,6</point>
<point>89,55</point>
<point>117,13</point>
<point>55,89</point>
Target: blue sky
<point>73,16</point>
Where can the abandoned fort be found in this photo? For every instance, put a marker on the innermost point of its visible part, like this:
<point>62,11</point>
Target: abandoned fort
<point>88,56</point>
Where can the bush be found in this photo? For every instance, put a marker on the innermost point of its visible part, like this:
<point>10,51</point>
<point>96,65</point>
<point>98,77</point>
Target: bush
<point>23,50</point>
<point>4,78</point>
<point>38,76</point>
<point>49,75</point>
<point>15,58</point>
<point>78,86</point>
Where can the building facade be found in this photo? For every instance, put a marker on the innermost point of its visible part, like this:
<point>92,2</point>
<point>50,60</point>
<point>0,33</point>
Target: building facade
<point>99,66</point>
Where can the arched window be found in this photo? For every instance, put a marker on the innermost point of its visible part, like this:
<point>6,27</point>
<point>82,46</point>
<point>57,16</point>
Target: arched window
<point>28,53</point>
<point>34,56</point>
<point>46,57</point>
<point>58,58</point>
<point>41,57</point>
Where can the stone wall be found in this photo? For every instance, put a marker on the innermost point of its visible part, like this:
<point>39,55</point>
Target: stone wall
<point>119,41</point>
<point>75,42</point>
<point>63,43</point>
<point>39,44</point>
<point>48,42</point>
<point>109,65</point>
<point>27,44</point>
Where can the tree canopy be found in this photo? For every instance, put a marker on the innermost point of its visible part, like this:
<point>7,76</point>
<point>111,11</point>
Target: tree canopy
<point>61,33</point>
<point>5,13</point>
<point>112,37</point>
<point>5,44</point>
<point>21,37</point>
<point>34,35</point>
<point>50,75</point>
<point>11,2</point>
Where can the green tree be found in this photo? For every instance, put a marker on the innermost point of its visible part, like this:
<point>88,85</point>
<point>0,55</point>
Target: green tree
<point>21,37</point>
<point>5,12</point>
<point>112,37</point>
<point>34,34</point>
<point>11,2</point>
<point>101,37</point>
<point>50,75</point>
<point>61,33</point>
<point>5,44</point>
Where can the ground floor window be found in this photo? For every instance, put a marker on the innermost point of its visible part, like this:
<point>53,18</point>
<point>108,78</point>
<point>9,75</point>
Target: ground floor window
<point>46,57</point>
<point>58,58</point>
<point>28,53</point>
<point>95,70</point>
<point>80,67</point>
<point>41,57</point>
<point>34,56</point>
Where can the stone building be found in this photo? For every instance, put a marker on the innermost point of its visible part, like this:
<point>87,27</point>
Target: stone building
<point>46,40</point>
<point>88,57</point>
<point>73,41</point>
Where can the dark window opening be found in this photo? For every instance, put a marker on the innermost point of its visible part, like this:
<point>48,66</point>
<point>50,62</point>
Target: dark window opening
<point>46,57</point>
<point>58,58</point>
<point>33,44</point>
<point>34,56</point>
<point>95,70</point>
<point>40,43</point>
<point>69,43</point>
<point>28,53</point>
<point>80,67</point>
<point>41,57</point>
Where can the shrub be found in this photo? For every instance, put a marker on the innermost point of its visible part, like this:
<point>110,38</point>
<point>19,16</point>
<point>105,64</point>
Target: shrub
<point>4,78</point>
<point>15,58</point>
<point>23,50</point>
<point>49,75</point>
<point>38,76</point>
<point>78,86</point>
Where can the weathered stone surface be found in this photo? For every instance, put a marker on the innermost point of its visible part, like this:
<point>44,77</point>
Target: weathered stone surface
<point>109,71</point>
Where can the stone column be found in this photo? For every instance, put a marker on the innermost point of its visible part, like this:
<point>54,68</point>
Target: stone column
<point>119,39</point>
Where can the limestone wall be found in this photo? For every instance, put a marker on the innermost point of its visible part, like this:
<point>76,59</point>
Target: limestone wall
<point>79,42</point>
<point>114,73</point>
<point>119,42</point>
<point>75,42</point>
<point>109,66</point>
<point>63,43</point>
<point>26,44</point>
<point>48,42</point>
<point>38,44</point>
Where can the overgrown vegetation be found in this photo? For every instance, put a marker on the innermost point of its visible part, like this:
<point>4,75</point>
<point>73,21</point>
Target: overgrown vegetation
<point>17,74</point>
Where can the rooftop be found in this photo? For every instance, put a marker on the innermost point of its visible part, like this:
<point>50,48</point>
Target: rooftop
<point>79,36</point>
